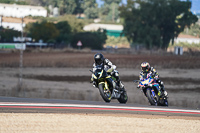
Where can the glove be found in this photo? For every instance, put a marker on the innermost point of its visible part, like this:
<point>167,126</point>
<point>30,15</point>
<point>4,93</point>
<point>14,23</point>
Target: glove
<point>156,78</point>
<point>114,67</point>
<point>110,70</point>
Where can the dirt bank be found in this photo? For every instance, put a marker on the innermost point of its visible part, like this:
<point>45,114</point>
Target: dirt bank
<point>85,59</point>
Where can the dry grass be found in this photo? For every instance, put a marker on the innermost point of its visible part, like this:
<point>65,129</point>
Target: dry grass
<point>84,58</point>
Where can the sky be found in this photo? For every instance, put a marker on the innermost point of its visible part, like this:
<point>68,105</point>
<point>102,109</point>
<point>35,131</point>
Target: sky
<point>195,5</point>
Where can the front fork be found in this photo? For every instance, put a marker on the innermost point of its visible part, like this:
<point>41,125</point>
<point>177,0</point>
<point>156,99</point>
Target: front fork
<point>106,88</point>
<point>152,91</point>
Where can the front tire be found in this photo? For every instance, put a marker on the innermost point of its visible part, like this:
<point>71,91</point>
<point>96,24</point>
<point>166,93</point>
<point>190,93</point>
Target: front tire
<point>105,93</point>
<point>151,98</point>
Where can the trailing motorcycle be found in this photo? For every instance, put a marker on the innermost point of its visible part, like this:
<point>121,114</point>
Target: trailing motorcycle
<point>150,89</point>
<point>107,85</point>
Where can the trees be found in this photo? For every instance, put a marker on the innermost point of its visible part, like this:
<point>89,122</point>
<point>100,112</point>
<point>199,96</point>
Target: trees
<point>90,8</point>
<point>64,32</point>
<point>6,35</point>
<point>111,1</point>
<point>109,11</point>
<point>155,22</point>
<point>194,30</point>
<point>42,30</point>
<point>93,40</point>
<point>13,1</point>
<point>67,6</point>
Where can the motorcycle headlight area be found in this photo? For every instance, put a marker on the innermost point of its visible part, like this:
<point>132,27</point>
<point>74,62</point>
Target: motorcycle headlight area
<point>93,76</point>
<point>100,74</point>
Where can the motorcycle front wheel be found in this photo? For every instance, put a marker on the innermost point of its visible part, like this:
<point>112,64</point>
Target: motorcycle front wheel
<point>151,98</point>
<point>105,93</point>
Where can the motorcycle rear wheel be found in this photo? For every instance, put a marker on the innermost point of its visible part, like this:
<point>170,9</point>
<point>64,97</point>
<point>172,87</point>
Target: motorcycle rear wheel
<point>152,100</point>
<point>164,102</point>
<point>123,97</point>
<point>105,93</point>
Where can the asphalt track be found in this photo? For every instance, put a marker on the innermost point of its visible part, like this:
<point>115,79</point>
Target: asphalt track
<point>36,105</point>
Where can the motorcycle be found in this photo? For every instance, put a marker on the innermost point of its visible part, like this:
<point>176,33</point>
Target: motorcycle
<point>107,85</point>
<point>150,88</point>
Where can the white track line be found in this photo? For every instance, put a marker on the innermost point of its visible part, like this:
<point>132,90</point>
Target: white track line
<point>95,106</point>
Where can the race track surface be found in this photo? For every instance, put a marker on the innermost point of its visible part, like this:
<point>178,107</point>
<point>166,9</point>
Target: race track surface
<point>24,105</point>
<point>22,115</point>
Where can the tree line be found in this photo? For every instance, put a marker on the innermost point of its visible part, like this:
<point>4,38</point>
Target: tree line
<point>59,34</point>
<point>62,33</point>
<point>151,23</point>
<point>108,12</point>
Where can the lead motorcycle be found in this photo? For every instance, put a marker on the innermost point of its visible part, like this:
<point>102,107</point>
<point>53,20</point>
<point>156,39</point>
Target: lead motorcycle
<point>107,85</point>
<point>150,89</point>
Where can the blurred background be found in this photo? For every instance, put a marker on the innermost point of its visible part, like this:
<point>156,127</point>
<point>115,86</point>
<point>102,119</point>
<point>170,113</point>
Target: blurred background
<point>47,47</point>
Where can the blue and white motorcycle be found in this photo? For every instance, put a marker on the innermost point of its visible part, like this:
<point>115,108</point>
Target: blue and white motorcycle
<point>150,88</point>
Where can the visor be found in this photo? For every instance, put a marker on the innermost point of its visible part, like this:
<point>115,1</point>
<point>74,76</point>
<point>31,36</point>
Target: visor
<point>98,61</point>
<point>144,69</point>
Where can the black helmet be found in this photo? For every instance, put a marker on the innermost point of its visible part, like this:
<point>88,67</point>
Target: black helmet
<point>145,66</point>
<point>98,58</point>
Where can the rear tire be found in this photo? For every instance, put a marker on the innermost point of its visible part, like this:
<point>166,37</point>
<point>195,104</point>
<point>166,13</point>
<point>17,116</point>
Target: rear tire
<point>152,100</point>
<point>123,97</point>
<point>106,95</point>
<point>165,102</point>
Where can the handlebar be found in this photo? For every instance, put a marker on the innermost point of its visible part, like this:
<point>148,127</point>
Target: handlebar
<point>91,71</point>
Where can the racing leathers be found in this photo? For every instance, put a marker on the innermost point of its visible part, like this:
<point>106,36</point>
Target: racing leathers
<point>111,70</point>
<point>152,72</point>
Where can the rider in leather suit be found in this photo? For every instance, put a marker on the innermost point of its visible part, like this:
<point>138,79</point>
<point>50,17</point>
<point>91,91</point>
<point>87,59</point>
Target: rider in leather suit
<point>108,67</point>
<point>146,69</point>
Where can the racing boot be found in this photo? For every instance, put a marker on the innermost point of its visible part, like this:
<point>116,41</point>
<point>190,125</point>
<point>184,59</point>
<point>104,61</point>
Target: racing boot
<point>120,84</point>
<point>163,90</point>
<point>165,93</point>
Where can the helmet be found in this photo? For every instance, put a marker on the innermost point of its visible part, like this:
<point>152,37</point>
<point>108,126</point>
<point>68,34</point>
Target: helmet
<point>98,58</point>
<point>145,66</point>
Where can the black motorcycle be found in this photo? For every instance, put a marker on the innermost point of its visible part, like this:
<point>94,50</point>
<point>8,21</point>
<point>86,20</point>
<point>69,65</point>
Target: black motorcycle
<point>107,85</point>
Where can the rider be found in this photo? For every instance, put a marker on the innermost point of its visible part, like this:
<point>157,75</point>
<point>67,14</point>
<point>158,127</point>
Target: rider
<point>146,69</point>
<point>108,67</point>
